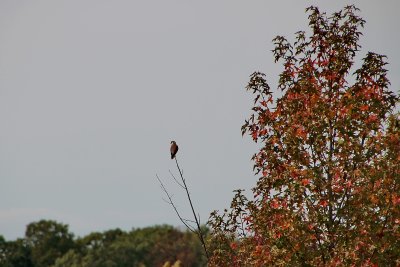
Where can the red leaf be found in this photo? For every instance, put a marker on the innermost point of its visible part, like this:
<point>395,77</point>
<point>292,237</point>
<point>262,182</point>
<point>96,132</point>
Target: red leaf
<point>274,204</point>
<point>364,107</point>
<point>305,182</point>
<point>323,203</point>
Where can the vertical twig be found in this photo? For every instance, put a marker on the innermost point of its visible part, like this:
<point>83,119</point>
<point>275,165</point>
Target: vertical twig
<point>197,230</point>
<point>197,219</point>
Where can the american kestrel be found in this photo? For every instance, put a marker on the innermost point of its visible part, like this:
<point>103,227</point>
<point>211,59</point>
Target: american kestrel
<point>174,149</point>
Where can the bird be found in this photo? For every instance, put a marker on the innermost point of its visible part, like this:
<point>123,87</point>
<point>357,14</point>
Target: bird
<point>174,149</point>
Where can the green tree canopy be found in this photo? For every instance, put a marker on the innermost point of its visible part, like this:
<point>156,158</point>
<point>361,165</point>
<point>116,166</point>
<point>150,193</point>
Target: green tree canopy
<point>15,253</point>
<point>149,246</point>
<point>47,241</point>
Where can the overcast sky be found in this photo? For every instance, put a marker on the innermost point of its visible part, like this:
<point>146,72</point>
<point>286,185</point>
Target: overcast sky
<point>92,92</point>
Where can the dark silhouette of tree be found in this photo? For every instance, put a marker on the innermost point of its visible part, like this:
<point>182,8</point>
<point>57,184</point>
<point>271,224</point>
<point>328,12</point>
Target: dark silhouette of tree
<point>47,241</point>
<point>15,253</point>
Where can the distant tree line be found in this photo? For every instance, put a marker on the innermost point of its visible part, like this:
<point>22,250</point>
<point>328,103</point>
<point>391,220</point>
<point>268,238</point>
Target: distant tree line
<point>49,243</point>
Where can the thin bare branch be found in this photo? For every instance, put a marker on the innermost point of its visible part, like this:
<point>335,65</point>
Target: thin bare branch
<point>173,205</point>
<point>199,231</point>
<point>190,221</point>
<point>176,180</point>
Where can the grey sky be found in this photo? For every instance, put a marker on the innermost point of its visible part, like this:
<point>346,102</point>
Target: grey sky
<point>92,93</point>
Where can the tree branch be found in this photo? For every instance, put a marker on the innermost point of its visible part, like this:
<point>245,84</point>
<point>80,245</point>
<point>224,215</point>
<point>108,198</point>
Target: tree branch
<point>184,221</point>
<point>199,231</point>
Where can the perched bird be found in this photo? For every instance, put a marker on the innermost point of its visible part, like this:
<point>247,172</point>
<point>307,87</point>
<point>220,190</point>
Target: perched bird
<point>174,149</point>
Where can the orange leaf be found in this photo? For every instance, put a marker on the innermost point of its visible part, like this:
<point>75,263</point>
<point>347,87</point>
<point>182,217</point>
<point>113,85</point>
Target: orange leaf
<point>323,203</point>
<point>305,182</point>
<point>364,107</point>
<point>274,204</point>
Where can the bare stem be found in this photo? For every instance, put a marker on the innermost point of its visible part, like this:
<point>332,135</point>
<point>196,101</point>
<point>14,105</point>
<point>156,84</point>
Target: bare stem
<point>184,221</point>
<point>195,229</point>
<point>197,219</point>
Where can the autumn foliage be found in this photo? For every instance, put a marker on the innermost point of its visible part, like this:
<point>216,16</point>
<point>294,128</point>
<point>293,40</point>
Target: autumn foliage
<point>328,192</point>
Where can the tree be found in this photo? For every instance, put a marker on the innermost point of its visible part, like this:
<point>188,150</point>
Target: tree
<point>160,244</point>
<point>48,240</point>
<point>150,246</point>
<point>14,253</point>
<point>329,187</point>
